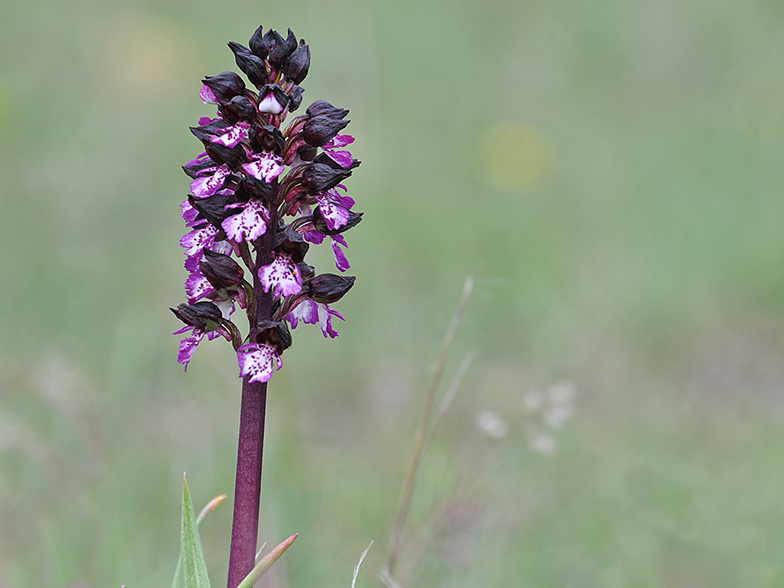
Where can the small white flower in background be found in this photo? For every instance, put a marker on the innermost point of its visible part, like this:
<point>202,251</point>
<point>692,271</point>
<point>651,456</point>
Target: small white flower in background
<point>559,401</point>
<point>491,425</point>
<point>544,444</point>
<point>532,400</point>
<point>548,412</point>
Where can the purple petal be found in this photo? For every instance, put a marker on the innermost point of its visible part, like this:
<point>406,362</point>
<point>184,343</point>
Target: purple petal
<point>339,141</point>
<point>207,95</point>
<point>188,346</point>
<point>306,311</point>
<point>266,168</point>
<point>340,258</point>
<point>206,186</point>
<point>314,237</point>
<point>234,135</point>
<point>199,159</point>
<point>192,262</point>
<point>189,213</point>
<point>334,215</point>
<point>325,315</point>
<point>197,286</point>
<point>198,239</point>
<point>258,361</point>
<point>342,199</point>
<point>342,158</point>
<point>250,224</point>
<point>282,276</point>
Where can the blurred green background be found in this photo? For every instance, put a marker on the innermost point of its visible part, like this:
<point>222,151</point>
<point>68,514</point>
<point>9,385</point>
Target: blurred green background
<point>616,168</point>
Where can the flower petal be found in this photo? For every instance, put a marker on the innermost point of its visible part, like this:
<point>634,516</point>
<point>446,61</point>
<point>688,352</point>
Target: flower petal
<point>266,168</point>
<point>342,158</point>
<point>306,311</point>
<point>334,215</point>
<point>339,141</point>
<point>325,315</point>
<point>282,275</point>
<point>197,286</point>
<point>233,135</point>
<point>258,361</point>
<point>249,224</point>
<point>205,186</point>
<point>340,258</point>
<point>198,239</point>
<point>207,95</point>
<point>188,346</point>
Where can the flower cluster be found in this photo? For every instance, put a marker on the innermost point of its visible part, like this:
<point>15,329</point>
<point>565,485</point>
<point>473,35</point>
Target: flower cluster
<point>261,193</point>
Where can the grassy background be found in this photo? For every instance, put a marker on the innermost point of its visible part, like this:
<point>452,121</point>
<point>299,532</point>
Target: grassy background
<point>615,167</point>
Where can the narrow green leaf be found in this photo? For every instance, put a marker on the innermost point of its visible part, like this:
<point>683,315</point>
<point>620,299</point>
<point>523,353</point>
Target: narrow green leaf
<point>266,563</point>
<point>177,582</point>
<point>193,565</point>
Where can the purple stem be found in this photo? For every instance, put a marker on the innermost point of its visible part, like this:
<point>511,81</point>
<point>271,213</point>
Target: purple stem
<point>250,450</point>
<point>247,491</point>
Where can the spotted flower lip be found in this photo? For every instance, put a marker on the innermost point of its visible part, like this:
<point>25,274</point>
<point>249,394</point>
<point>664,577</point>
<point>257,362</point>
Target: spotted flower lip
<point>249,224</point>
<point>261,192</point>
<point>265,167</point>
<point>258,361</point>
<point>211,180</point>
<point>282,277</point>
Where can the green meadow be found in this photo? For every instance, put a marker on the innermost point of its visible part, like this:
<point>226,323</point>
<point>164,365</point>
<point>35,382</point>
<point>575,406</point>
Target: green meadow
<point>611,172</point>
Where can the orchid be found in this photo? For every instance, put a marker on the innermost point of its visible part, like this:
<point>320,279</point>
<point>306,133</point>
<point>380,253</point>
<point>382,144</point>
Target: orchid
<point>262,191</point>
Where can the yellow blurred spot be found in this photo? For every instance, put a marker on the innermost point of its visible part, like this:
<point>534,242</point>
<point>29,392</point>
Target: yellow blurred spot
<point>145,56</point>
<point>514,156</point>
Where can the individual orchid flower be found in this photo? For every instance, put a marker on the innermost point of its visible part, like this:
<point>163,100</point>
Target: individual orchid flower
<point>258,361</point>
<point>332,149</point>
<point>249,224</point>
<point>281,276</point>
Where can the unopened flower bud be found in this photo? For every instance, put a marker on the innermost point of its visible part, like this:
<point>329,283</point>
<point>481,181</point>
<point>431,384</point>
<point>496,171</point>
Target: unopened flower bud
<point>279,50</point>
<point>291,41</point>
<point>323,107</point>
<point>321,129</point>
<point>221,270</point>
<point>197,166</point>
<point>251,188</point>
<point>268,138</point>
<point>232,156</point>
<point>306,271</point>
<point>292,244</point>
<point>329,288</point>
<point>239,108</point>
<point>225,85</point>
<point>318,177</point>
<point>295,98</point>
<point>252,65</point>
<point>307,152</point>
<point>204,316</point>
<point>213,208</point>
<point>297,65</point>
<point>257,44</point>
<point>275,333</point>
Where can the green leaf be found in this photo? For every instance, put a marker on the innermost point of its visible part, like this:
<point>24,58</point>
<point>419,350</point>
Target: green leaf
<point>177,582</point>
<point>193,565</point>
<point>266,563</point>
